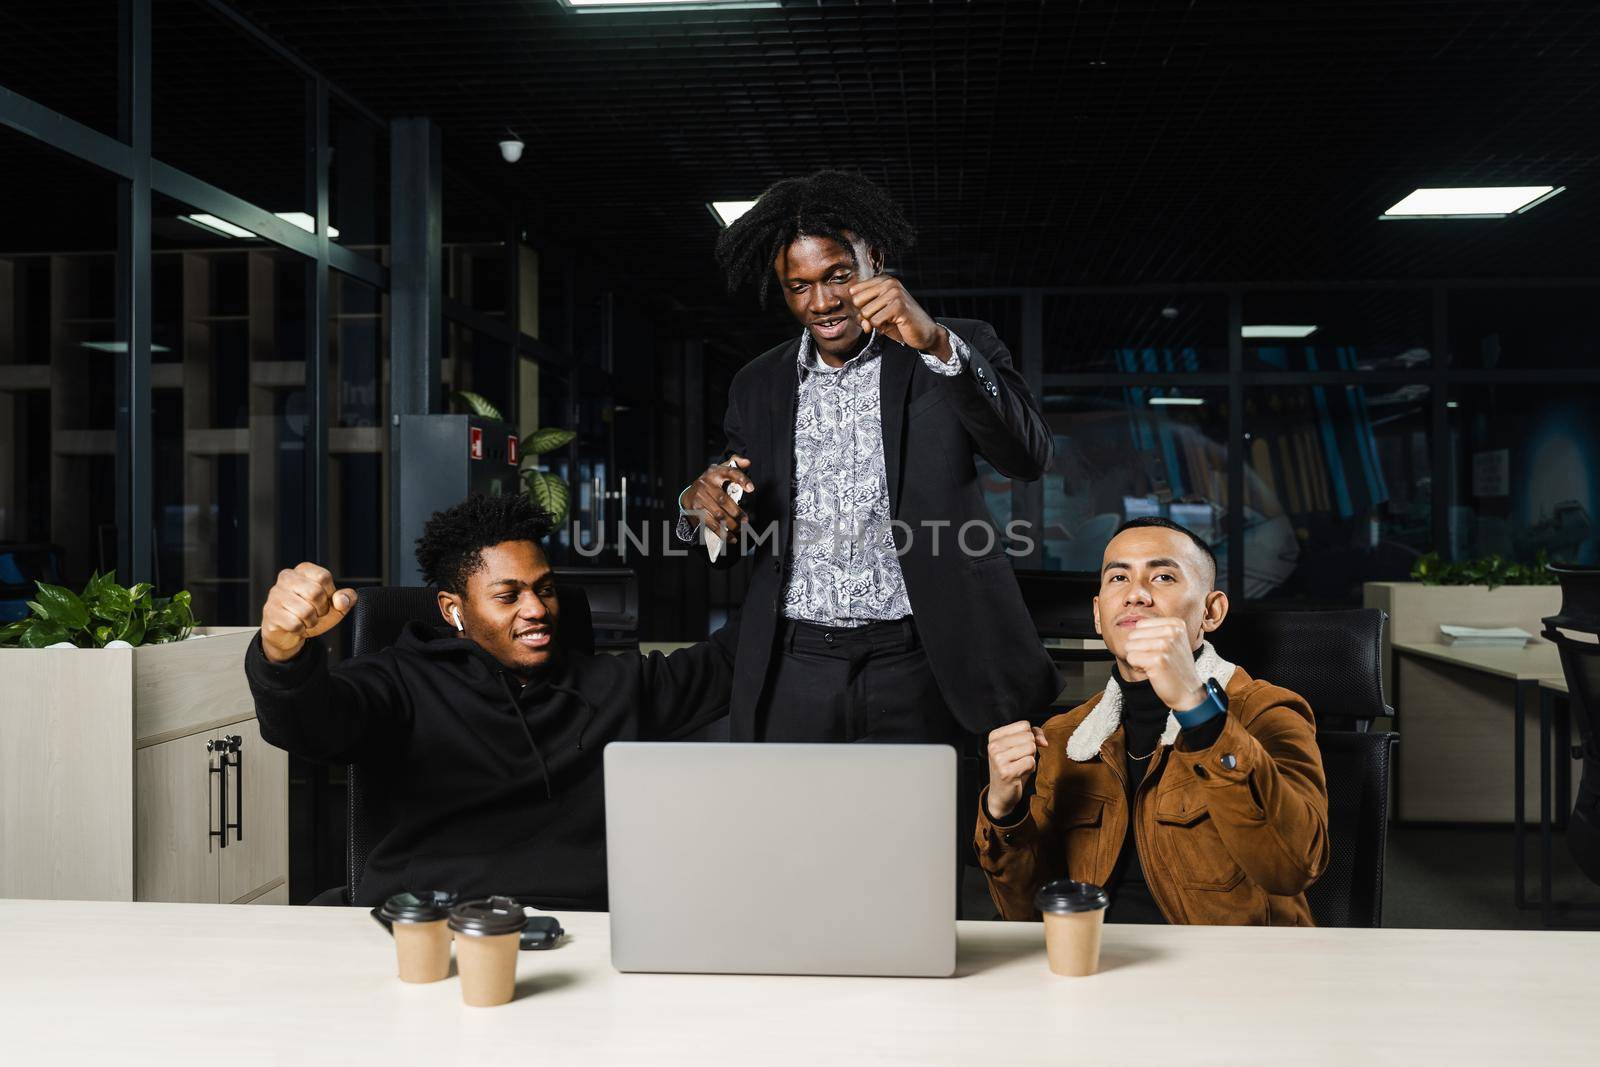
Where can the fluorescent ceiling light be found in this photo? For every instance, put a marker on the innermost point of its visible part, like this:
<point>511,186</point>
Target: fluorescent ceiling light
<point>305,222</point>
<point>1277,331</point>
<point>222,226</point>
<point>118,347</point>
<point>726,212</point>
<point>657,5</point>
<point>1490,202</point>
<point>1177,401</point>
<point>298,219</point>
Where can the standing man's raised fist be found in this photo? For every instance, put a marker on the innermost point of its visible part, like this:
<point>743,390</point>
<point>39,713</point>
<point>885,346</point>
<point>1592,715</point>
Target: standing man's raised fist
<point>302,604</point>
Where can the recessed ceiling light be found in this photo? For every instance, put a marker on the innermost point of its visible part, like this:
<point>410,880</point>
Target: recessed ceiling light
<point>305,222</point>
<point>216,225</point>
<point>1489,202</point>
<point>657,5</point>
<point>726,212</point>
<point>1177,401</point>
<point>1277,331</point>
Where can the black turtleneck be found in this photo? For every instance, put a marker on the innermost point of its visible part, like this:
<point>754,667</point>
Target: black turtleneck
<point>1144,719</point>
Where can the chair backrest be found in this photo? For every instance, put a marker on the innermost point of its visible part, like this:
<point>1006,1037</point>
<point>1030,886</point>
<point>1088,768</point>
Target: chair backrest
<point>1580,665</point>
<point>1358,766</point>
<point>1580,659</point>
<point>379,616</point>
<point>1332,658</point>
<point>1060,602</point>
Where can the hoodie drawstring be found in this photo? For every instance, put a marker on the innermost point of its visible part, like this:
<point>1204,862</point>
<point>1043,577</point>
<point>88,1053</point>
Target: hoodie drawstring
<point>516,707</point>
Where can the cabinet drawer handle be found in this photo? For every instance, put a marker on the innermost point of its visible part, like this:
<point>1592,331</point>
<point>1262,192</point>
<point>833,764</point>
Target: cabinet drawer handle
<point>236,745</point>
<point>218,766</point>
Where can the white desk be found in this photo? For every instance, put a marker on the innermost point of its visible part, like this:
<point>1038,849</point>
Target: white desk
<point>188,983</point>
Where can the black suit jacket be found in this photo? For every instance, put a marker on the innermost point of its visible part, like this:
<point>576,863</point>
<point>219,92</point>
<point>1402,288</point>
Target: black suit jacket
<point>981,643</point>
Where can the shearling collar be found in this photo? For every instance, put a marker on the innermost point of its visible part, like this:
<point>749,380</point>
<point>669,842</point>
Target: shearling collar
<point>1102,722</point>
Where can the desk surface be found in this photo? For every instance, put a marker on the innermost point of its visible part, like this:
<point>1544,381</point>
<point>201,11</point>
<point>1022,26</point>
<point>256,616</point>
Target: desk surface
<point>1537,661</point>
<point>191,983</point>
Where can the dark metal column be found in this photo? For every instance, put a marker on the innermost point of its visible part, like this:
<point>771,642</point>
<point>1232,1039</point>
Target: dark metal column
<point>135,501</point>
<point>318,365</point>
<point>695,615</point>
<point>1442,451</point>
<point>1027,498</point>
<point>1236,449</point>
<point>416,284</point>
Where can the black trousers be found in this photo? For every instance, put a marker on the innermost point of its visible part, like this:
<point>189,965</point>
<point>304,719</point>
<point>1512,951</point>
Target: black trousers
<point>867,683</point>
<point>862,683</point>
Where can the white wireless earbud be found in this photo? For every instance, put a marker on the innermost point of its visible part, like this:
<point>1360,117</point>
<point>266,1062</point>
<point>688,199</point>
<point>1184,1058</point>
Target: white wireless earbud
<point>455,613</point>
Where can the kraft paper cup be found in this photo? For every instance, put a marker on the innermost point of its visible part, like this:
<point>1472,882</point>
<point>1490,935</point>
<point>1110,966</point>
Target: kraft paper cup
<point>1073,914</point>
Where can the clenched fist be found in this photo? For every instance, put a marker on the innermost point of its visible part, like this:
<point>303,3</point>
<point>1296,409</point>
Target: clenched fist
<point>302,605</point>
<point>1013,755</point>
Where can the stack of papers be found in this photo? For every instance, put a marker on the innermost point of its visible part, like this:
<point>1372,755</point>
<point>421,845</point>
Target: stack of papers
<point>1482,637</point>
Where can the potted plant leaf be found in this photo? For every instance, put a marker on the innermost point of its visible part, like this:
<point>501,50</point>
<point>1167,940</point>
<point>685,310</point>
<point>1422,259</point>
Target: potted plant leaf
<point>548,490</point>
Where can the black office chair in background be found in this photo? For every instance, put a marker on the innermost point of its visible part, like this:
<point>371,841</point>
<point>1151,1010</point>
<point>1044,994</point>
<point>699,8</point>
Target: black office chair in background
<point>1060,603</point>
<point>1580,665</point>
<point>1358,767</point>
<point>1332,658</point>
<point>379,616</point>
<point>1335,660</point>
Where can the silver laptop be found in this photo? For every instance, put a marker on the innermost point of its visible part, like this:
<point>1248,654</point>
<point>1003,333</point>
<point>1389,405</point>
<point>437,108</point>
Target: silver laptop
<point>782,859</point>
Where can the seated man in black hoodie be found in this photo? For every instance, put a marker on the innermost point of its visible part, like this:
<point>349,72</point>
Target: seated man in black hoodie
<point>483,733</point>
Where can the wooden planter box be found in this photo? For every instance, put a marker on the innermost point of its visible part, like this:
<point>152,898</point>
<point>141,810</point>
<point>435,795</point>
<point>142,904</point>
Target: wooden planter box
<point>1416,610</point>
<point>111,777</point>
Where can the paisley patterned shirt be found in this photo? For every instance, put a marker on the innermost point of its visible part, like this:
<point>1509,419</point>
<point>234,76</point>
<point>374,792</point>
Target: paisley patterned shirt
<point>843,570</point>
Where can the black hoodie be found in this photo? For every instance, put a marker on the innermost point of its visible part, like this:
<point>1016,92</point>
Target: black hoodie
<point>495,787</point>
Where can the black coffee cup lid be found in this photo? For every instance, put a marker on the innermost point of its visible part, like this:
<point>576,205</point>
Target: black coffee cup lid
<point>421,906</point>
<point>487,917</point>
<point>1067,895</point>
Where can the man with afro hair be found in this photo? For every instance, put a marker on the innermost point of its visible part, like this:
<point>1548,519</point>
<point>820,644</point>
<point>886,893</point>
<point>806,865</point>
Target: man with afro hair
<point>882,604</point>
<point>483,734</point>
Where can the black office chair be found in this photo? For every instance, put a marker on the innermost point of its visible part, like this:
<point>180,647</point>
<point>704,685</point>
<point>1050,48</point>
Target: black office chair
<point>1332,658</point>
<point>1060,603</point>
<point>379,616</point>
<point>1335,660</point>
<point>1580,664</point>
<point>1358,767</point>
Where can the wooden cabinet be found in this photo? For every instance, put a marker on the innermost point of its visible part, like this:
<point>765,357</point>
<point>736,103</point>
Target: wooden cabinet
<point>174,812</point>
<point>139,774</point>
<point>256,856</point>
<point>211,814</point>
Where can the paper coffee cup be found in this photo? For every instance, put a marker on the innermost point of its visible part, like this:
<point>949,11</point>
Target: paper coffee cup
<point>420,925</point>
<point>488,935</point>
<point>1073,914</point>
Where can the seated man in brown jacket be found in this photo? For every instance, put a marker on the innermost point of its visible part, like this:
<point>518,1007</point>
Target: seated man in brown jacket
<point>1220,771</point>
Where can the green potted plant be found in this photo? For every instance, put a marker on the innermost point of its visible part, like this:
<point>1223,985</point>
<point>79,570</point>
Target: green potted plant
<point>105,615</point>
<point>548,490</point>
<point>1488,591</point>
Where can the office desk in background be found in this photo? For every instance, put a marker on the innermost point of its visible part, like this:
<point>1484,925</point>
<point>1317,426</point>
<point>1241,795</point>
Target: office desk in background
<point>1461,755</point>
<point>188,983</point>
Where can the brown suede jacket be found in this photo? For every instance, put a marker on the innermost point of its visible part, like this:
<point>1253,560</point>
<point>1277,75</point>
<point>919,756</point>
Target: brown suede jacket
<point>1231,835</point>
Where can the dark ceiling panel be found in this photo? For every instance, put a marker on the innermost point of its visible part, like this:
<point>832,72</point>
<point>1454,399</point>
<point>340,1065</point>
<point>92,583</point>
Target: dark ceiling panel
<point>1044,143</point>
